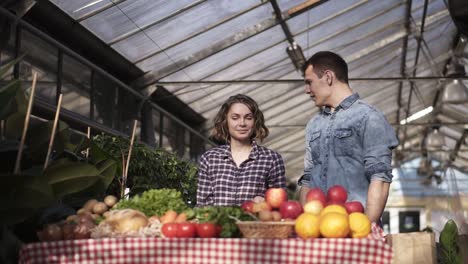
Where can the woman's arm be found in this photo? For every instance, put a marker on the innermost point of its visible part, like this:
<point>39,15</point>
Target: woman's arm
<point>277,176</point>
<point>204,188</point>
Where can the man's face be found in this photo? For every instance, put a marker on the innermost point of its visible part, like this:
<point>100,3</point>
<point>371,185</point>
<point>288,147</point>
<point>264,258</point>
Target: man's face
<point>317,88</point>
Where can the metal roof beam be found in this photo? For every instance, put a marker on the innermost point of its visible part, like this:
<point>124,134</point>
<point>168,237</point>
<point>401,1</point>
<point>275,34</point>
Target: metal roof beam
<point>196,33</point>
<point>152,77</point>
<point>140,29</point>
<point>289,81</point>
<point>99,10</point>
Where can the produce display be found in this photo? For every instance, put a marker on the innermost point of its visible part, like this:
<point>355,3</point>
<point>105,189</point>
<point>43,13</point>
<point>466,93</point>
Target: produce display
<point>155,202</point>
<point>78,226</point>
<point>154,213</point>
<point>323,215</point>
<point>162,213</point>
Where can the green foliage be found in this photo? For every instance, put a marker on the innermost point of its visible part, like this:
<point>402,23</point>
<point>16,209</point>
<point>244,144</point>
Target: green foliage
<point>68,174</point>
<point>448,241</point>
<point>155,202</point>
<point>151,168</point>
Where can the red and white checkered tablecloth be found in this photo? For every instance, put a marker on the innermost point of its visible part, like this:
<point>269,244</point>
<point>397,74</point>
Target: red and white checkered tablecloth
<point>208,250</point>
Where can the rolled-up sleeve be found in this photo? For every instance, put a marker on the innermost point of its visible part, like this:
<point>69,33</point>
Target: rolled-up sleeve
<point>204,187</point>
<point>378,141</point>
<point>277,177</point>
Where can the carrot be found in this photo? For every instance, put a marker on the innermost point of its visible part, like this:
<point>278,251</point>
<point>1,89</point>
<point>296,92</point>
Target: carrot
<point>182,217</point>
<point>168,217</point>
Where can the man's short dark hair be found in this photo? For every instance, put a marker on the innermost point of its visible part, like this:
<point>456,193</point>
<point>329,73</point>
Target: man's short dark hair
<point>327,60</point>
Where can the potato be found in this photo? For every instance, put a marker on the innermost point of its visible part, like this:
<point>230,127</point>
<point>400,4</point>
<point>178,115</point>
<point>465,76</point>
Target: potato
<point>265,216</point>
<point>82,211</point>
<point>88,206</point>
<point>110,200</point>
<point>276,216</point>
<point>99,208</point>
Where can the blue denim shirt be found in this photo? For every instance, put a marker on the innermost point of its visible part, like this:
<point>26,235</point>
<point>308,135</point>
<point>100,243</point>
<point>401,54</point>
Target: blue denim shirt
<point>350,147</point>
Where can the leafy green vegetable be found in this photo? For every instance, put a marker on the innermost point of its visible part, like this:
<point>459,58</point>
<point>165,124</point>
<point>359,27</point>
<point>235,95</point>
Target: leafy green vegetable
<point>155,202</point>
<point>226,216</point>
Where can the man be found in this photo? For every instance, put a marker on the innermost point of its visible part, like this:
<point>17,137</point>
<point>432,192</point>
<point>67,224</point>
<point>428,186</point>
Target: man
<point>349,142</point>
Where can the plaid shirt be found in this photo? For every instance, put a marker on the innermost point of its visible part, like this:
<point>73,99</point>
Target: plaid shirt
<point>221,182</point>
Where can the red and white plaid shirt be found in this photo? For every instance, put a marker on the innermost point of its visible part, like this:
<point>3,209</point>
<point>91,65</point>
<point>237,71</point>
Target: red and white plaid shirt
<point>221,182</point>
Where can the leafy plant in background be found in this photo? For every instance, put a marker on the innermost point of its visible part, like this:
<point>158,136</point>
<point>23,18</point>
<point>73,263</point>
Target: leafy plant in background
<point>68,174</point>
<point>151,168</point>
<point>448,242</point>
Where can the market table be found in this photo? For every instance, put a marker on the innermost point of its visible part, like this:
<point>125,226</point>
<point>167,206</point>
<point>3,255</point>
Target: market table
<point>208,250</point>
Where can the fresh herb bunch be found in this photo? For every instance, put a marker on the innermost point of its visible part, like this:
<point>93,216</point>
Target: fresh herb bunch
<point>225,216</point>
<point>155,202</point>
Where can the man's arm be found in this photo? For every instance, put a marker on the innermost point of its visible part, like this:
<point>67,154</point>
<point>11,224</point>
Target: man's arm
<point>379,139</point>
<point>376,199</point>
<point>302,194</point>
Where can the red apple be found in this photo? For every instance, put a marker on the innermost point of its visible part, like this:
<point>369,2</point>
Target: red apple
<point>261,206</point>
<point>354,206</point>
<point>247,206</point>
<point>316,194</point>
<point>337,193</point>
<point>291,209</point>
<point>275,197</point>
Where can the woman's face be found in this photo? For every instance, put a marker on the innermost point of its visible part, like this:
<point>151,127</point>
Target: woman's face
<point>240,121</point>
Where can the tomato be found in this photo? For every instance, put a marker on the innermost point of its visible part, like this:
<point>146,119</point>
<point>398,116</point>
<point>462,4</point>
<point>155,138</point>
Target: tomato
<point>206,230</point>
<point>186,230</point>
<point>170,229</point>
<point>218,229</point>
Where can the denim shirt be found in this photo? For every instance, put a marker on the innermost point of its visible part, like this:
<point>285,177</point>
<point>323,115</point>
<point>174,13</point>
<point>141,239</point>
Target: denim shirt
<point>350,147</point>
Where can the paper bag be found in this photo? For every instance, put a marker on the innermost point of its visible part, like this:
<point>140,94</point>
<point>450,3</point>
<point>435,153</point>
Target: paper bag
<point>415,248</point>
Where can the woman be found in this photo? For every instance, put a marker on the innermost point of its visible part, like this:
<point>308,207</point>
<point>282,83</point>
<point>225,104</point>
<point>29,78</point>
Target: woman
<point>239,170</point>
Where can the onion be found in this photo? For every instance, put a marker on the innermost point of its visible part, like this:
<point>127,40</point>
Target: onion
<point>83,230</point>
<point>52,232</point>
<point>67,229</point>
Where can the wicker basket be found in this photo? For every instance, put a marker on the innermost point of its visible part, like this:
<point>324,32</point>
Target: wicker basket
<point>256,229</point>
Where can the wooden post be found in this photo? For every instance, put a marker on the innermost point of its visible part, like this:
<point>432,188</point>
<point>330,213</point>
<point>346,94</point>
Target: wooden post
<point>88,135</point>
<point>26,125</point>
<point>54,127</point>
<point>130,149</point>
<point>127,163</point>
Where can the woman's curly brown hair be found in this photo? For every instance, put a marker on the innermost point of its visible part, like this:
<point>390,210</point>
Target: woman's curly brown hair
<point>221,131</point>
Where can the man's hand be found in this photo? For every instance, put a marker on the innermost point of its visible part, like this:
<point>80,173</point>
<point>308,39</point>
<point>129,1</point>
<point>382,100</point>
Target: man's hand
<point>376,199</point>
<point>302,194</point>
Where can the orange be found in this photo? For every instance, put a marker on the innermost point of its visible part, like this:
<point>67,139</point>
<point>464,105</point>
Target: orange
<point>307,226</point>
<point>334,225</point>
<point>334,208</point>
<point>359,224</point>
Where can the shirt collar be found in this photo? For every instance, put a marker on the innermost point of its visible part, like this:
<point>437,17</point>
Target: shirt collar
<point>253,153</point>
<point>345,104</point>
